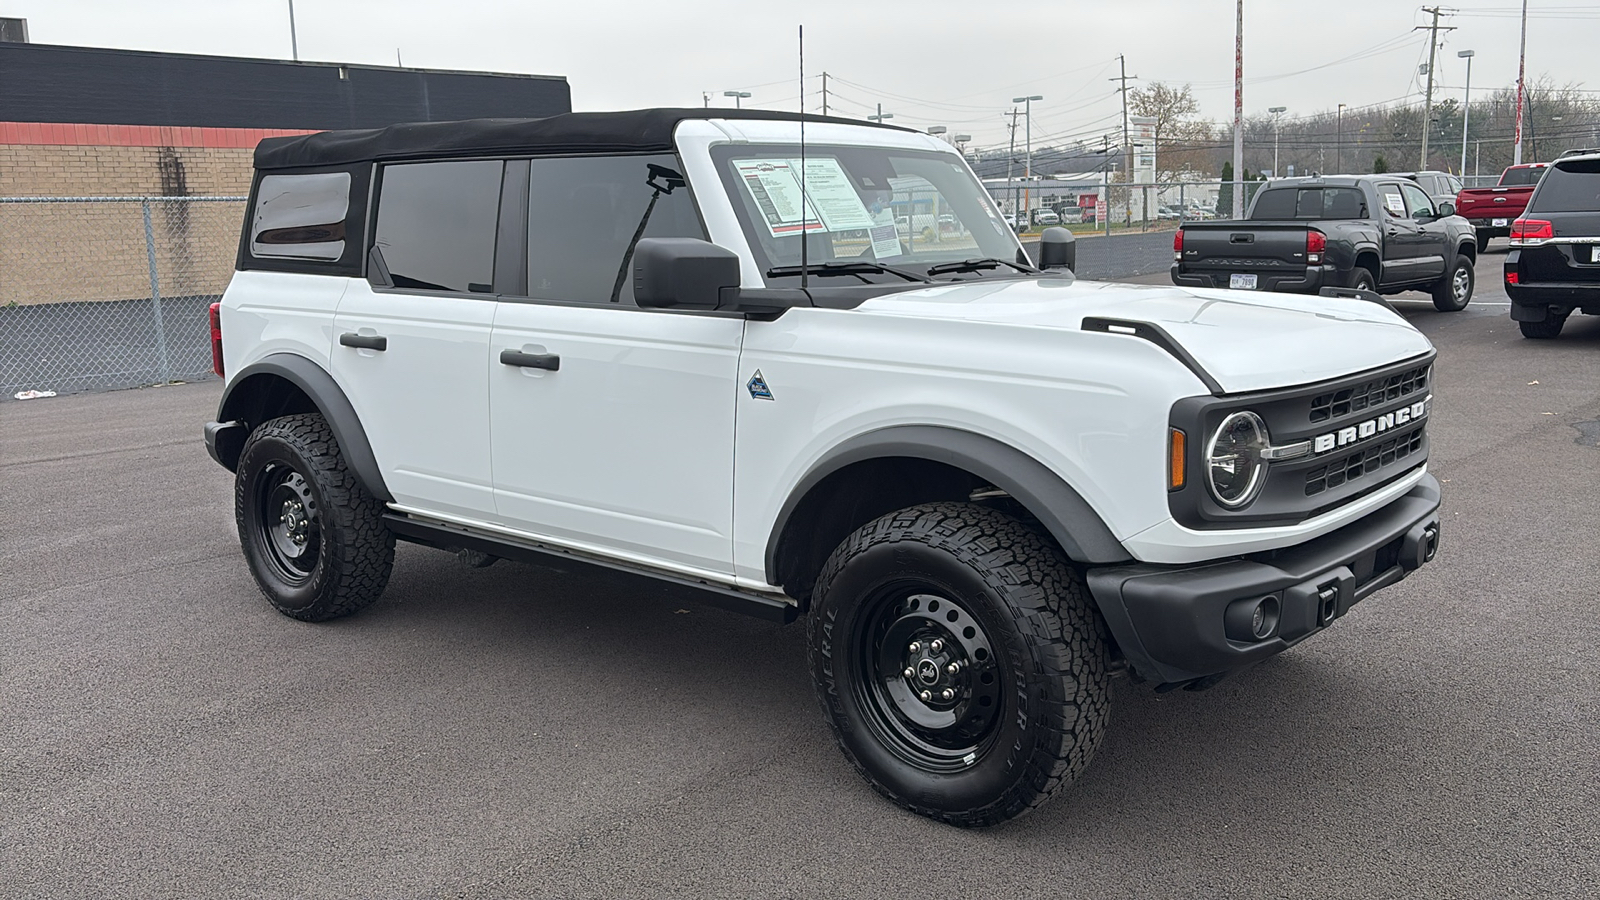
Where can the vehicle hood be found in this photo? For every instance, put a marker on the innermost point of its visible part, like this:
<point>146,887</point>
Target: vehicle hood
<point>1246,341</point>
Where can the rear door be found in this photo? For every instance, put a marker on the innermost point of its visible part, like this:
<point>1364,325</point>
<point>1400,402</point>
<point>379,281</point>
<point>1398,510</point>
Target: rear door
<point>410,350</point>
<point>1402,236</point>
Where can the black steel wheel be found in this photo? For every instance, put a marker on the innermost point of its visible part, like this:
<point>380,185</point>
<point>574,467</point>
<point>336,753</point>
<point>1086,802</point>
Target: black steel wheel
<point>960,662</point>
<point>313,537</point>
<point>932,689</point>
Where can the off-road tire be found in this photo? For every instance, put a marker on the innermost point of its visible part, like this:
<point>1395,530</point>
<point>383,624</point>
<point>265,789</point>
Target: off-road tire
<point>1034,707</point>
<point>1453,292</point>
<point>1549,329</point>
<point>345,552</point>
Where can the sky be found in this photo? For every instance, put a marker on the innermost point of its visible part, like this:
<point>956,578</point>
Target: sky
<point>956,63</point>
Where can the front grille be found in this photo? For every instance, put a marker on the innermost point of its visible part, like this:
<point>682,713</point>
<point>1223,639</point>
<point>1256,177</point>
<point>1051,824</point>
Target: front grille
<point>1363,462</point>
<point>1354,399</point>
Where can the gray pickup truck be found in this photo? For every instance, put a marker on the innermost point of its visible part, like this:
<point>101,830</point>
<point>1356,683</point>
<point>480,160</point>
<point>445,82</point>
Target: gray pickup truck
<point>1302,235</point>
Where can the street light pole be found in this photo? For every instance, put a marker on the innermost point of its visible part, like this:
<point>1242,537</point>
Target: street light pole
<point>294,41</point>
<point>1276,112</point>
<point>1027,171</point>
<point>1466,107</point>
<point>737,96</point>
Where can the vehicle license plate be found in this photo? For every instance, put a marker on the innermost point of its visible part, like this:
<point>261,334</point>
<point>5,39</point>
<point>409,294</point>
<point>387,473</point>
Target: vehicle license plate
<point>1242,282</point>
<point>1498,223</point>
<point>1594,253</point>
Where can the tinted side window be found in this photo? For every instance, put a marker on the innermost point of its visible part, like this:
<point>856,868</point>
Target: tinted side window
<point>436,224</point>
<point>583,213</point>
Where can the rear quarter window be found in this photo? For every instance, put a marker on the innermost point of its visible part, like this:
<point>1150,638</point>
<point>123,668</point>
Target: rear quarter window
<point>300,216</point>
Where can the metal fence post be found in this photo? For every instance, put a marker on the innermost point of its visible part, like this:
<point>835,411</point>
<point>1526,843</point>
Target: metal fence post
<point>155,292</point>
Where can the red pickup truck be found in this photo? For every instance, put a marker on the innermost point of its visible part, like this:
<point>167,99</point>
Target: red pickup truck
<point>1491,210</point>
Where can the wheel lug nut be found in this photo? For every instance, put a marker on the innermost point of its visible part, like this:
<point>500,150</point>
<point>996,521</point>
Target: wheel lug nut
<point>915,646</point>
<point>926,696</point>
<point>948,694</point>
<point>936,646</point>
<point>953,668</point>
<point>909,672</point>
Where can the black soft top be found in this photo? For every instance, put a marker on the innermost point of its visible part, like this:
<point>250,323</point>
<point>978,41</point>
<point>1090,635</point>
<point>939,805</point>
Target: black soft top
<point>630,131</point>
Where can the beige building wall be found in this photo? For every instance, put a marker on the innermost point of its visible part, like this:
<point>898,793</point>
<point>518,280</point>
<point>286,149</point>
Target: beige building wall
<point>53,251</point>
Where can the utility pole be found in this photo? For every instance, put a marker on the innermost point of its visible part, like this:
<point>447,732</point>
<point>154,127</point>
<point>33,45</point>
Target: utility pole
<point>824,93</point>
<point>1127,147</point>
<point>1427,103</point>
<point>1522,66</point>
<point>1276,128</point>
<point>1028,118</point>
<point>1011,159</point>
<point>1238,115</point>
<point>705,99</point>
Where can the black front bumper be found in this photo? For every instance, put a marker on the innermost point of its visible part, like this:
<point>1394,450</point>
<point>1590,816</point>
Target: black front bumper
<point>1307,281</point>
<point>1171,622</point>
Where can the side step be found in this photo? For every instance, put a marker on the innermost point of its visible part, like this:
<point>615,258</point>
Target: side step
<point>447,536</point>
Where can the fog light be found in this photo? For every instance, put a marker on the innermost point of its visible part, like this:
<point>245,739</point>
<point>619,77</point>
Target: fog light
<point>1252,620</point>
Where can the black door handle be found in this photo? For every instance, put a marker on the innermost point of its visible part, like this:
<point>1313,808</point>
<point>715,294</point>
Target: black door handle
<point>517,358</point>
<point>364,341</point>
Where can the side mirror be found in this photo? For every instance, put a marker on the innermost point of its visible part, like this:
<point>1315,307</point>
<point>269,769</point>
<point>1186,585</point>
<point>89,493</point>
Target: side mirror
<point>1446,209</point>
<point>1058,249</point>
<point>683,273</point>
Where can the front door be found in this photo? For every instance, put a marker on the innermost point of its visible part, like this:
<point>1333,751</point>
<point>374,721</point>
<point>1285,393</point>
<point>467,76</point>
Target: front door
<point>612,426</point>
<point>1433,236</point>
<point>412,351</point>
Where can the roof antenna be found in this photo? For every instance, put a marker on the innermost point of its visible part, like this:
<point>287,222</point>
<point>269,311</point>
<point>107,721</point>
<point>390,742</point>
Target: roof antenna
<point>804,199</point>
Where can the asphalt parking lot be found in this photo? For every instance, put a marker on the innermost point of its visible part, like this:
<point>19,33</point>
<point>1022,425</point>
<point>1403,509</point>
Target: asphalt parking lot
<point>520,731</point>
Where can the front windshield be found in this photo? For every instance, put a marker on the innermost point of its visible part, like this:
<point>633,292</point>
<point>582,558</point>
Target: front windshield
<point>906,209</point>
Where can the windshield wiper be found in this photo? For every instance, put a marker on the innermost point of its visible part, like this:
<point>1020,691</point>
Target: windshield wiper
<point>974,265</point>
<point>856,267</point>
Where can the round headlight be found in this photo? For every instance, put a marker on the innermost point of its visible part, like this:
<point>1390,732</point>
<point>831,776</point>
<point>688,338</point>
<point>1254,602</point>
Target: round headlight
<point>1234,467</point>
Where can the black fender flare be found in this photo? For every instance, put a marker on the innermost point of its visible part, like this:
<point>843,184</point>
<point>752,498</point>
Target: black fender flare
<point>330,400</point>
<point>1069,518</point>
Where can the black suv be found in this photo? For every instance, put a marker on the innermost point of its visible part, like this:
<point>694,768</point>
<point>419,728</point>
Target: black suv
<point>1554,264</point>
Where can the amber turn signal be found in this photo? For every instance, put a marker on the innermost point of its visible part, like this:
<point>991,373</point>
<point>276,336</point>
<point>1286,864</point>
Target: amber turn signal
<point>1175,460</point>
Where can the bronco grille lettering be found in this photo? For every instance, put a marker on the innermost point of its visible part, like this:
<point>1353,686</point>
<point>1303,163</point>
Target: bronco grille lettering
<point>1350,434</point>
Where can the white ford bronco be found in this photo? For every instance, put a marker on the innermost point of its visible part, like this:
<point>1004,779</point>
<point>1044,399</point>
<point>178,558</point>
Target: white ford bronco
<point>803,367</point>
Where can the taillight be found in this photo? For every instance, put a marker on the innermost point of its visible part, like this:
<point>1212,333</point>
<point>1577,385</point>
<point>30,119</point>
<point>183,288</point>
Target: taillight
<point>1316,244</point>
<point>1532,230</point>
<point>216,339</point>
<point>1177,245</point>
<point>1511,278</point>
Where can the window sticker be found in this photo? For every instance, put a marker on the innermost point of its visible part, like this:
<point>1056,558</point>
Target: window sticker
<point>775,187</point>
<point>1394,203</point>
<point>831,194</point>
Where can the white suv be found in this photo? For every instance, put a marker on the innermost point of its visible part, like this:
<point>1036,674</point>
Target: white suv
<point>660,341</point>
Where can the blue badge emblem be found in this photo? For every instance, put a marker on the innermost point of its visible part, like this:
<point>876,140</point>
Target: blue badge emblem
<point>758,387</point>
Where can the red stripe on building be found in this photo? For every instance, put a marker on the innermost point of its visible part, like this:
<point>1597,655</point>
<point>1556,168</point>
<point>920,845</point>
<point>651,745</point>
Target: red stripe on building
<point>75,135</point>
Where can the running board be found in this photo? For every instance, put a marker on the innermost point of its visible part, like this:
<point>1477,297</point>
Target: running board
<point>447,536</point>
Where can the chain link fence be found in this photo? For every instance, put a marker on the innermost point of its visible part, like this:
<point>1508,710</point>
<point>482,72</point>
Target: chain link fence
<point>110,292</point>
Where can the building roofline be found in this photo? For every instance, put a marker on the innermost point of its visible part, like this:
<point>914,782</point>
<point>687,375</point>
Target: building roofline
<point>115,51</point>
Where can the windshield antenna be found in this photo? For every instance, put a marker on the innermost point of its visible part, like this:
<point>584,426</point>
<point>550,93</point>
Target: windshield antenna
<point>804,200</point>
